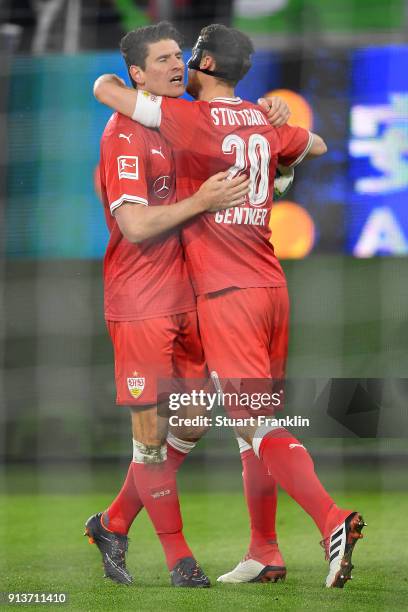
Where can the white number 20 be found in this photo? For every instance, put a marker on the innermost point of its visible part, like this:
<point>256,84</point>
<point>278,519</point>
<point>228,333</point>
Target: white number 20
<point>259,155</point>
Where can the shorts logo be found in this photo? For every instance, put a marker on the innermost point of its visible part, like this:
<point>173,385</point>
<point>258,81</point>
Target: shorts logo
<point>136,384</point>
<point>128,167</point>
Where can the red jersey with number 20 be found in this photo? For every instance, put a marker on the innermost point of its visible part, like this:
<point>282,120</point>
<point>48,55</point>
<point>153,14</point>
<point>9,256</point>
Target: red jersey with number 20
<point>231,248</point>
<point>149,279</point>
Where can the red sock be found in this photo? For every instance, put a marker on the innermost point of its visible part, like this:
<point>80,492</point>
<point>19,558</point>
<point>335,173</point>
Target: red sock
<point>157,487</point>
<point>292,467</point>
<point>127,504</point>
<point>124,508</point>
<point>261,497</point>
<point>174,457</point>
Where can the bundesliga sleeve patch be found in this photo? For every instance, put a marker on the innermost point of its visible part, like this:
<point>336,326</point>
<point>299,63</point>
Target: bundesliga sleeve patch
<point>128,167</point>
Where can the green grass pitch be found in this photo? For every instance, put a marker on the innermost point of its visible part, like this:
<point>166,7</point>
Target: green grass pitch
<point>42,548</point>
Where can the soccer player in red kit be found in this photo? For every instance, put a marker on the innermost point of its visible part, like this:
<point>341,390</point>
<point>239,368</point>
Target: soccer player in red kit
<point>150,310</point>
<point>242,299</point>
<point>149,304</point>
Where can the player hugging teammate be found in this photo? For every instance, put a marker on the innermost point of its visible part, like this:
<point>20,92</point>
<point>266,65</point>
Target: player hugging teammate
<point>240,289</point>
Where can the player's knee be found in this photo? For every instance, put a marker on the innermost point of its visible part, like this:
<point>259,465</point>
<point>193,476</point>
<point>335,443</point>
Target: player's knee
<point>190,433</point>
<point>245,434</point>
<point>197,433</point>
<point>149,453</point>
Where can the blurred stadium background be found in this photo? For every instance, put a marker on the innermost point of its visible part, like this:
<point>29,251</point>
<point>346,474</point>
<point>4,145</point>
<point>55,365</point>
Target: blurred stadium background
<point>343,234</point>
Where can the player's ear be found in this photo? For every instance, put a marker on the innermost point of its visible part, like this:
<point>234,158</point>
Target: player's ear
<point>207,62</point>
<point>137,75</point>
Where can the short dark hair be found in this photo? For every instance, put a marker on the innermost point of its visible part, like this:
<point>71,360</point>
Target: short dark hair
<point>134,45</point>
<point>230,48</point>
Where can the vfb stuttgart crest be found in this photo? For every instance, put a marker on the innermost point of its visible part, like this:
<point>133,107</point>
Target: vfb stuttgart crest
<point>136,384</point>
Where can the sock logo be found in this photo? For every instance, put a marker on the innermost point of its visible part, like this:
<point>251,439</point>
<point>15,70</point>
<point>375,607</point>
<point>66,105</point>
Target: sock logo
<point>294,445</point>
<point>162,493</point>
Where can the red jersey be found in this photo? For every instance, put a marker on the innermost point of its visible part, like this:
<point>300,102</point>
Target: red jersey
<point>149,279</point>
<point>231,248</point>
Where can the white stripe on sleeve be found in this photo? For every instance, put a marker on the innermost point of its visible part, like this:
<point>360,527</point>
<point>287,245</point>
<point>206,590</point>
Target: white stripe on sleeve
<point>304,153</point>
<point>127,198</point>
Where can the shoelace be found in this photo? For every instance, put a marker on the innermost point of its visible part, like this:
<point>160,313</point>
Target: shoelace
<point>119,549</point>
<point>196,571</point>
<point>182,574</point>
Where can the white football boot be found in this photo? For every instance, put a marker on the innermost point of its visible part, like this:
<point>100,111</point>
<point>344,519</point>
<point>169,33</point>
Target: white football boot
<point>249,570</point>
<point>339,548</point>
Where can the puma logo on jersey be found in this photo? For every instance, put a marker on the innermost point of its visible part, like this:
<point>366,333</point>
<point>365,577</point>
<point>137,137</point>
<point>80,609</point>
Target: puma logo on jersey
<point>294,445</point>
<point>158,152</point>
<point>127,137</point>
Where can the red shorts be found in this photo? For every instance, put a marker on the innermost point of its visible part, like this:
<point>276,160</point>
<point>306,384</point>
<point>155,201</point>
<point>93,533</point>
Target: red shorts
<point>145,351</point>
<point>245,333</point>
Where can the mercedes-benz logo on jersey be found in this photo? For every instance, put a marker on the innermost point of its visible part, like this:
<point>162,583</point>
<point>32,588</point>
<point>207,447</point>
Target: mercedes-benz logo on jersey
<point>161,187</point>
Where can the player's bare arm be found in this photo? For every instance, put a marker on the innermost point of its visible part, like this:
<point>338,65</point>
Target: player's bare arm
<point>138,222</point>
<point>112,91</point>
<point>317,148</point>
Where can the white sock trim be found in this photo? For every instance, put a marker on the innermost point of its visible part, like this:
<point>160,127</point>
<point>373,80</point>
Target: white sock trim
<point>259,434</point>
<point>148,454</point>
<point>243,445</point>
<point>182,446</point>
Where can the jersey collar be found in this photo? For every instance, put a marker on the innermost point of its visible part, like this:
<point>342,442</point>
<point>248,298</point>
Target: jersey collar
<point>235,100</point>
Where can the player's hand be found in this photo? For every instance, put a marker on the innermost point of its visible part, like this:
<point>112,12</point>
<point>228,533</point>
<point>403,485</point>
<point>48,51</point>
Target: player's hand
<point>276,109</point>
<point>221,191</point>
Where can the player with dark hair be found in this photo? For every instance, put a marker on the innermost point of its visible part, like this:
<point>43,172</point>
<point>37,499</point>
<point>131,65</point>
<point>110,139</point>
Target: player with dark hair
<point>233,50</point>
<point>150,306</point>
<point>134,46</point>
<point>242,298</point>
